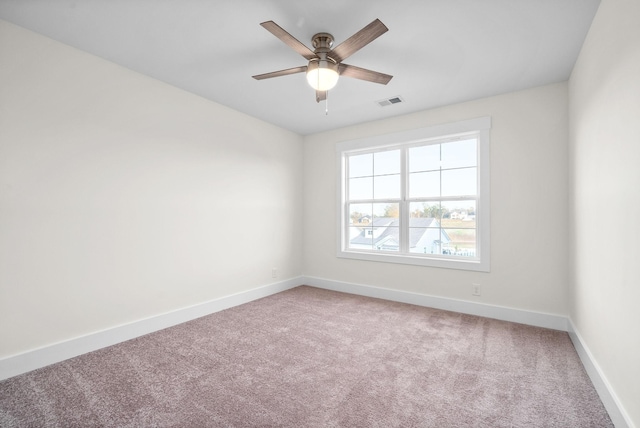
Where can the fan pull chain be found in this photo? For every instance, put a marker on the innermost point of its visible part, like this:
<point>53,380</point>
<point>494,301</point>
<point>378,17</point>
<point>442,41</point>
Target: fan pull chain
<point>326,104</point>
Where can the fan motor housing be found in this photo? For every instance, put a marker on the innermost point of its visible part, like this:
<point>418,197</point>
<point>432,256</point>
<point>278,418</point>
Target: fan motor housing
<point>322,42</point>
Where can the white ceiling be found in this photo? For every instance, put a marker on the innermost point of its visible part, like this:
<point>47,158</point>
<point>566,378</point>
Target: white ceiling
<point>439,51</point>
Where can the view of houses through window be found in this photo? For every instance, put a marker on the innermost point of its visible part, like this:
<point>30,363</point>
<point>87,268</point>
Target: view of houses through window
<point>416,199</point>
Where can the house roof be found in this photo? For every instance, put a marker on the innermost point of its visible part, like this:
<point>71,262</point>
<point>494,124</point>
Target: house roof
<point>392,231</point>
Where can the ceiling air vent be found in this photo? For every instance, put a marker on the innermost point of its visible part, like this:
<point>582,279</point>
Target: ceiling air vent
<point>390,101</point>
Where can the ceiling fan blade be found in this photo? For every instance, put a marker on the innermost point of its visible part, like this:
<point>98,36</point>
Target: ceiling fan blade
<point>363,74</point>
<point>358,40</point>
<point>289,40</point>
<point>286,72</point>
<point>321,96</point>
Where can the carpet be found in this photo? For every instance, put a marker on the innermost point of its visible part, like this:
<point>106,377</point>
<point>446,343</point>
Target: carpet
<point>309,357</point>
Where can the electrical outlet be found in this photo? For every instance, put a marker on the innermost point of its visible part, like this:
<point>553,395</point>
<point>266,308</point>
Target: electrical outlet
<point>476,290</point>
<point>274,273</point>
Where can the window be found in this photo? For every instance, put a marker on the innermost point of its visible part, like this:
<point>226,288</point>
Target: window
<point>417,197</point>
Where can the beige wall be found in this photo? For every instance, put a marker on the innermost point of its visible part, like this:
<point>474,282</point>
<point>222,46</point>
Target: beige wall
<point>528,205</point>
<point>604,93</point>
<point>123,198</point>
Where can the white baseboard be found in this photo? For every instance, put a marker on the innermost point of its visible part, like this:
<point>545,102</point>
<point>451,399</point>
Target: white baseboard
<point>617,412</point>
<point>41,357</point>
<point>538,319</point>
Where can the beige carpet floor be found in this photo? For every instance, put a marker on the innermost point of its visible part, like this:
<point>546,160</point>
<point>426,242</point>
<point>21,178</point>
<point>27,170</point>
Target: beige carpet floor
<point>315,358</point>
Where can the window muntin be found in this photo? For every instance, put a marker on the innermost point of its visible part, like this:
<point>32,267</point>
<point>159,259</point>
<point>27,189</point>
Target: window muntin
<point>417,202</point>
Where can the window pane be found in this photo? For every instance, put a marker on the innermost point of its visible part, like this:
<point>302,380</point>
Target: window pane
<point>386,235</point>
<point>461,242</point>
<point>424,184</point>
<point>459,214</point>
<point>360,214</point>
<point>361,165</point>
<point>425,240</point>
<point>424,158</point>
<point>386,238</point>
<point>386,187</point>
<point>459,154</point>
<point>424,210</point>
<point>382,234</point>
<point>360,188</point>
<point>459,182</point>
<point>361,238</point>
<point>386,162</point>
<point>386,210</point>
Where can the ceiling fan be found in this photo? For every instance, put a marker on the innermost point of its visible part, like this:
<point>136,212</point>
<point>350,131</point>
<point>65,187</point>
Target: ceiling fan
<point>325,64</point>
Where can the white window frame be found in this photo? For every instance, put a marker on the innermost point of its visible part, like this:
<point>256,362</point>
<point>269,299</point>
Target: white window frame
<point>480,127</point>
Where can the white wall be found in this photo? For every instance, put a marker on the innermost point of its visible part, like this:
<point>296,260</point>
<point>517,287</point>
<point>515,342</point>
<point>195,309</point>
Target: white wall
<point>528,205</point>
<point>604,93</point>
<point>122,197</point>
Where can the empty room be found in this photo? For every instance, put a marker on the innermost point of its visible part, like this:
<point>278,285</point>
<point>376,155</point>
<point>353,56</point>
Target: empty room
<point>320,214</point>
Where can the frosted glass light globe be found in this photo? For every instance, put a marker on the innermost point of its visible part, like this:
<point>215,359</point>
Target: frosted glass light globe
<point>322,74</point>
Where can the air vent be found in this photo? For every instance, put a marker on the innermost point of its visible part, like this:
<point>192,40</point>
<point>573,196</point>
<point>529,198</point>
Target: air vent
<point>390,101</point>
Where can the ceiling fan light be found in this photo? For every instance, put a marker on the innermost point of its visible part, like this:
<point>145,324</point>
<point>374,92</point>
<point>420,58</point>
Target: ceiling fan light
<point>322,74</point>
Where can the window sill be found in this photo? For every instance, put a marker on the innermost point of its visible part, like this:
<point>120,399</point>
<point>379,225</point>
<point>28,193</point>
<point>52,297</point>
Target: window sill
<point>447,263</point>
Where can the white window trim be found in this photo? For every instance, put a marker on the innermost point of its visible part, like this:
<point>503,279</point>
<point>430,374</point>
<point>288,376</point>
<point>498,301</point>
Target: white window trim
<point>480,126</point>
